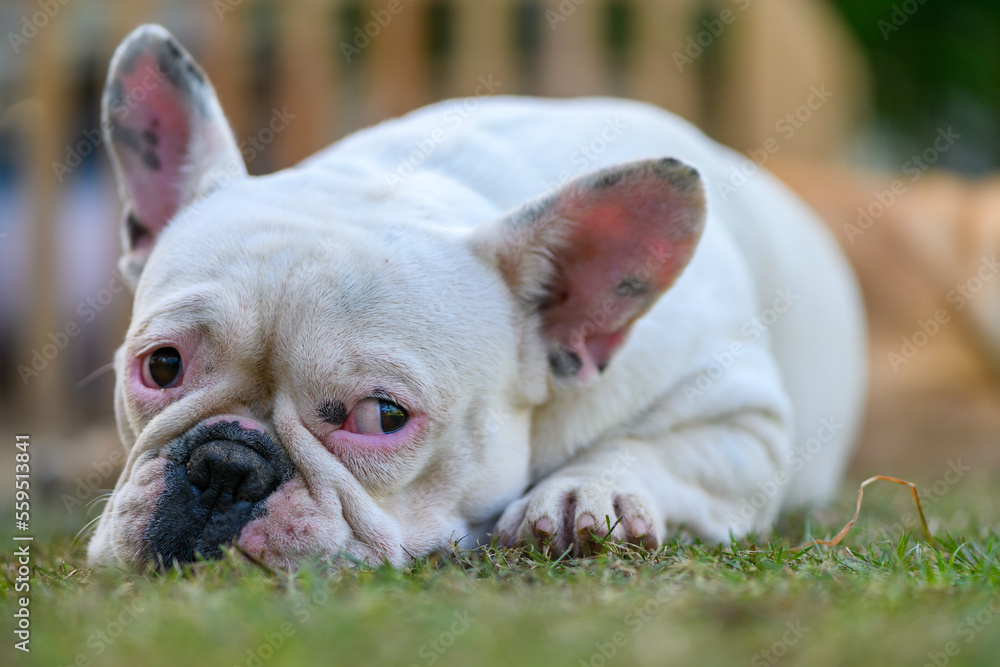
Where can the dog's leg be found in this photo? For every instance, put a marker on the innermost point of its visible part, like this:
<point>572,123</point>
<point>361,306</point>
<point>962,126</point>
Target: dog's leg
<point>712,478</point>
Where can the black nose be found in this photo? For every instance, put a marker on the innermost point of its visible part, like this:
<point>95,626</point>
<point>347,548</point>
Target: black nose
<point>228,473</point>
<point>216,480</point>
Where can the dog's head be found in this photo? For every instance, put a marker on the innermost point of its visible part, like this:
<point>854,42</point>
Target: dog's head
<point>317,365</point>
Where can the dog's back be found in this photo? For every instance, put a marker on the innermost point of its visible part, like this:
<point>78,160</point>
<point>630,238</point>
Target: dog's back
<point>511,149</point>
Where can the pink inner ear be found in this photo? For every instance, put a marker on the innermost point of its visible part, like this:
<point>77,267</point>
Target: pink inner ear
<point>626,244</point>
<point>151,131</point>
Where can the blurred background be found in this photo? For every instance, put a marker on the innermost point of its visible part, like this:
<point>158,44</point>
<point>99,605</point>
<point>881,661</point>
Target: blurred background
<point>850,92</point>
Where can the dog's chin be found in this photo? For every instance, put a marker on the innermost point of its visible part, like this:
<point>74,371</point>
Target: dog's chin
<point>298,528</point>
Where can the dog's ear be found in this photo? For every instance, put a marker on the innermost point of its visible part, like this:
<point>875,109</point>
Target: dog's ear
<point>169,141</point>
<point>594,256</point>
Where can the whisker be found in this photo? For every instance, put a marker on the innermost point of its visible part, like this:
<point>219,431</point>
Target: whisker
<point>110,366</point>
<point>99,497</point>
<point>91,523</point>
<point>86,528</point>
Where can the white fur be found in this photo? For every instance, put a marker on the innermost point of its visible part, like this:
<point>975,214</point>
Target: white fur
<point>342,273</point>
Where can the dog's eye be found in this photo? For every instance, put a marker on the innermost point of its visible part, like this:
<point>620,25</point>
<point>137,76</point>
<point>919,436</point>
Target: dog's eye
<point>376,416</point>
<point>163,368</point>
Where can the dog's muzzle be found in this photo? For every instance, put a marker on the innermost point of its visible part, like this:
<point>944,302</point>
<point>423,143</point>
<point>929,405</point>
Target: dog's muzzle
<point>217,480</point>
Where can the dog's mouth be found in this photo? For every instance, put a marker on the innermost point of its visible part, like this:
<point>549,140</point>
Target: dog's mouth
<point>217,478</point>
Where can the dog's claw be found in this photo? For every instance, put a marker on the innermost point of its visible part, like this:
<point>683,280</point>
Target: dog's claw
<point>543,530</point>
<point>638,528</point>
<point>579,515</point>
<point>544,526</point>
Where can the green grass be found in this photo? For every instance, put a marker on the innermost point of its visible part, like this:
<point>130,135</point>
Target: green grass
<point>884,597</point>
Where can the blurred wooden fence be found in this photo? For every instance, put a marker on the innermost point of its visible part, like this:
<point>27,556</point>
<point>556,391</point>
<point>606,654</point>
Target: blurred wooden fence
<point>735,67</point>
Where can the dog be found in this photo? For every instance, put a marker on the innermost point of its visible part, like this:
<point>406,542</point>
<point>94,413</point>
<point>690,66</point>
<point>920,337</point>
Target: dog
<point>565,322</point>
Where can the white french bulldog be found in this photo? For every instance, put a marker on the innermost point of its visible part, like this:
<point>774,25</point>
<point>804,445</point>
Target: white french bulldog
<point>518,316</point>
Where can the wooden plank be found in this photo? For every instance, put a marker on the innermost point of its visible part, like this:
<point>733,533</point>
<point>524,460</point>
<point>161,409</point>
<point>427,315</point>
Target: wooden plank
<point>572,60</point>
<point>45,401</point>
<point>483,47</point>
<point>396,61</point>
<point>653,72</point>
<point>308,79</point>
<point>226,58</point>
<point>778,52</point>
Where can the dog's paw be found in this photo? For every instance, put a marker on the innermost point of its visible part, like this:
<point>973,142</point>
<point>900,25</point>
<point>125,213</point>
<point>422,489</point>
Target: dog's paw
<point>562,513</point>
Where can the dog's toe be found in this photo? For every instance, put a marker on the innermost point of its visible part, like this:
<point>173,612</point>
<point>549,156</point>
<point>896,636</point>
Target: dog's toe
<point>581,516</point>
<point>596,520</point>
<point>508,527</point>
<point>546,517</point>
<point>638,522</point>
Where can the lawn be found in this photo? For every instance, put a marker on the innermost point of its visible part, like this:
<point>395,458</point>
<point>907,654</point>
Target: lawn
<point>885,596</point>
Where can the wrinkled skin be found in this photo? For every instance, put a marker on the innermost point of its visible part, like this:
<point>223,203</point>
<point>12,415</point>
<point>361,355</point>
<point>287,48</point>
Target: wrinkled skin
<point>347,357</point>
